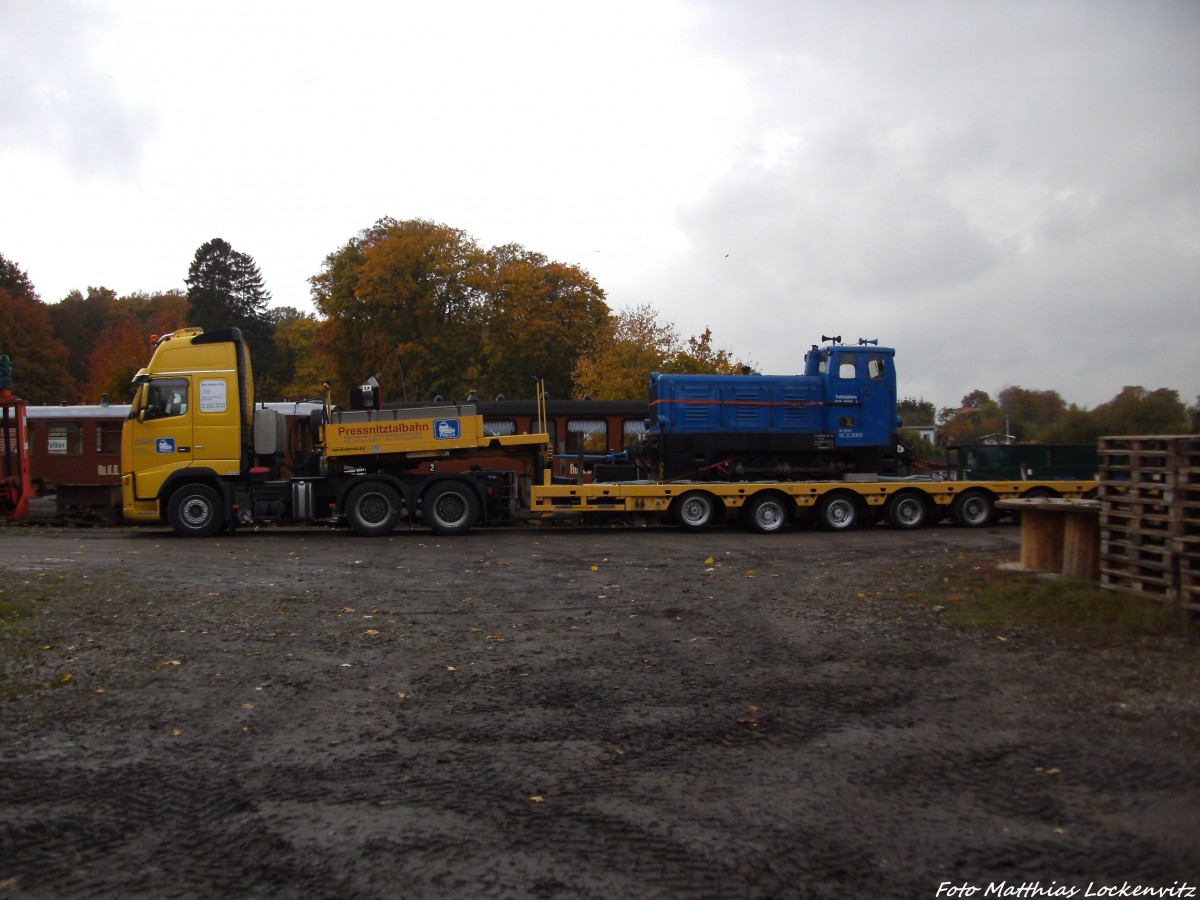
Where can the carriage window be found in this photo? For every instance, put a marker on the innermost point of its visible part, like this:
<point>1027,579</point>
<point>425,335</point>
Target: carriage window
<point>587,436</point>
<point>166,397</point>
<point>499,427</point>
<point>631,433</point>
<point>875,368</point>
<point>846,367</point>
<point>108,437</point>
<point>64,439</point>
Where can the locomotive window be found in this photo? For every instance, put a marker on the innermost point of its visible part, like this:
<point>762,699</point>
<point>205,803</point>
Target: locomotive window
<point>108,437</point>
<point>875,368</point>
<point>587,436</point>
<point>64,439</point>
<point>847,368</point>
<point>499,427</point>
<point>631,433</point>
<point>166,397</point>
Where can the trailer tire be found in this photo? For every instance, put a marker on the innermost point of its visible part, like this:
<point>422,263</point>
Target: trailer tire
<point>973,509</point>
<point>450,508</point>
<point>194,510</point>
<point>908,510</point>
<point>838,511</point>
<point>768,513</point>
<point>694,510</point>
<point>372,509</point>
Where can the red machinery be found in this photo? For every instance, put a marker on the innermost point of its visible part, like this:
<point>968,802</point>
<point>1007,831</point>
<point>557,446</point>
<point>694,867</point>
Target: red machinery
<point>16,486</point>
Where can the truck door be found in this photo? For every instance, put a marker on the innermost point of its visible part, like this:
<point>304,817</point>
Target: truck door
<point>161,432</point>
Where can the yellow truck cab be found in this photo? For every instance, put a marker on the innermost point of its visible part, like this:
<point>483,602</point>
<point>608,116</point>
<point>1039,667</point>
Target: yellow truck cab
<point>197,453</point>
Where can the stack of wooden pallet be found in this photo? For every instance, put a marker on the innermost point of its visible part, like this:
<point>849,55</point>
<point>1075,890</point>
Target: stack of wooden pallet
<point>1150,516</point>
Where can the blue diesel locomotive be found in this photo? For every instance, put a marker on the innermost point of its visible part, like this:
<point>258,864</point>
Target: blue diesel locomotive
<point>838,418</point>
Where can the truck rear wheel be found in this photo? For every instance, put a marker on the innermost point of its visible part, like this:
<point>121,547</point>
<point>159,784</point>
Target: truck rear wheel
<point>768,513</point>
<point>694,510</point>
<point>195,511</point>
<point>973,509</point>
<point>372,509</point>
<point>450,508</point>
<point>837,511</point>
<point>908,510</point>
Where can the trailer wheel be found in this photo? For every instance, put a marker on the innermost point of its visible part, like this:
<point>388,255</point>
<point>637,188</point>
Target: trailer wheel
<point>767,513</point>
<point>694,510</point>
<point>973,509</point>
<point>450,508</point>
<point>195,511</point>
<point>838,511</point>
<point>372,509</point>
<point>908,510</point>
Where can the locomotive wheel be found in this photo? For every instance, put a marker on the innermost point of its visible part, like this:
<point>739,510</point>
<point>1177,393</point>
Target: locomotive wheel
<point>908,510</point>
<point>768,513</point>
<point>372,509</point>
<point>450,508</point>
<point>973,509</point>
<point>838,511</point>
<point>694,510</point>
<point>195,511</point>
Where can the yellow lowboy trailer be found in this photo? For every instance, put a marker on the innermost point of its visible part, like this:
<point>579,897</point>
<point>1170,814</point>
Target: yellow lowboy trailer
<point>905,503</point>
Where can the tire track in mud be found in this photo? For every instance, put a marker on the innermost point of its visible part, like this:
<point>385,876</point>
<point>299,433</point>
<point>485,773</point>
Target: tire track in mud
<point>590,714</point>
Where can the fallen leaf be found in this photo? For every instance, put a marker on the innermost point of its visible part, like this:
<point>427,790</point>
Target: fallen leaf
<point>595,568</point>
<point>175,732</point>
<point>65,678</point>
<point>371,631</point>
<point>709,561</point>
<point>537,798</point>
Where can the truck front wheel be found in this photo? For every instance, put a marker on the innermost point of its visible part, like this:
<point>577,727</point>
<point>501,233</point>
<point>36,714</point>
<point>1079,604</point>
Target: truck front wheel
<point>450,508</point>
<point>372,509</point>
<point>195,511</point>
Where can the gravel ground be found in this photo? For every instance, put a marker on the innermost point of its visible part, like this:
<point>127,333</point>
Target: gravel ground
<point>567,712</point>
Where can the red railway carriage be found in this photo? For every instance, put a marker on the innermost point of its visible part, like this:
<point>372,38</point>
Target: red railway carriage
<point>75,455</point>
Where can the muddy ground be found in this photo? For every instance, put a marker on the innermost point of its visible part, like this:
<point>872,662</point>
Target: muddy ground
<point>568,713</point>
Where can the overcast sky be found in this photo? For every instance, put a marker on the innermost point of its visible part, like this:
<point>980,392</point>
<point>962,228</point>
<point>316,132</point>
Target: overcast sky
<point>1006,192</point>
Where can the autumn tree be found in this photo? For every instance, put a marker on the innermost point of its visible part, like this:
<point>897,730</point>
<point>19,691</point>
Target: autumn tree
<point>121,349</point>
<point>78,320</point>
<point>979,418</point>
<point>913,411</point>
<point>700,356</point>
<point>40,361</point>
<point>636,343</point>
<point>540,316</point>
<point>1030,414</point>
<point>301,362</point>
<point>1136,410</point>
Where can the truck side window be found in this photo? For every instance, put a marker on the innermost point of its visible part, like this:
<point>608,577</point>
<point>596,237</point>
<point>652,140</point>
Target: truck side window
<point>846,367</point>
<point>875,368</point>
<point>166,397</point>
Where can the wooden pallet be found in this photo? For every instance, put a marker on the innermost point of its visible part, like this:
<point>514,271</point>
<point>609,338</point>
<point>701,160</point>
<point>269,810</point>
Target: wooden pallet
<point>1150,516</point>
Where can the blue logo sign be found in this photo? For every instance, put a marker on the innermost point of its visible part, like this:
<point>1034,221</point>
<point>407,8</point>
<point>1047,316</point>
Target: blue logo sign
<point>164,445</point>
<point>447,429</point>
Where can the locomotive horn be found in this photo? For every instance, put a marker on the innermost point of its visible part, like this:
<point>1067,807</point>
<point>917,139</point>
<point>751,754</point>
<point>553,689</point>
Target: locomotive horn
<point>836,340</point>
<point>862,342</point>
